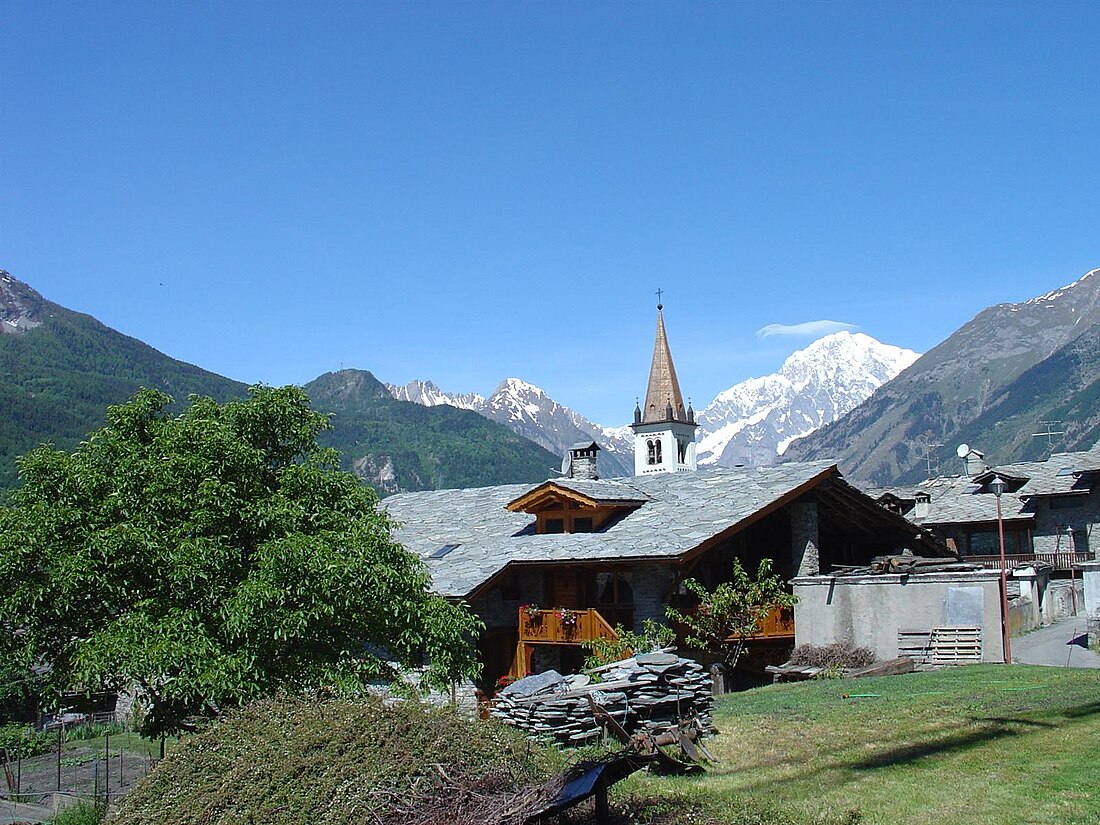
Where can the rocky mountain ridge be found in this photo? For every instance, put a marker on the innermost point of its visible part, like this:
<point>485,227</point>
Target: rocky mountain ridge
<point>528,411</point>
<point>990,383</point>
<point>749,423</point>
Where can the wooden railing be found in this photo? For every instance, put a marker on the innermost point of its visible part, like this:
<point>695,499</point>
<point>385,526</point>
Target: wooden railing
<point>1060,560</point>
<point>555,627</point>
<point>778,624</point>
<point>558,627</point>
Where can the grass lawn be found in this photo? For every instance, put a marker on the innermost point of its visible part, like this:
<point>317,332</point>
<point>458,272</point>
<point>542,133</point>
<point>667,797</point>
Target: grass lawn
<point>975,745</point>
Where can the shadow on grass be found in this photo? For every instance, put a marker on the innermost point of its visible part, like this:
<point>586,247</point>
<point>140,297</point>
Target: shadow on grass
<point>953,743</point>
<point>1081,710</point>
<point>1008,720</point>
<point>839,770</point>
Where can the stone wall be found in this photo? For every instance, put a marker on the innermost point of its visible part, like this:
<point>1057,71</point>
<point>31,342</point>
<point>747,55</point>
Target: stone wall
<point>498,611</point>
<point>869,610</point>
<point>651,584</point>
<point>1090,574</point>
<point>1051,523</point>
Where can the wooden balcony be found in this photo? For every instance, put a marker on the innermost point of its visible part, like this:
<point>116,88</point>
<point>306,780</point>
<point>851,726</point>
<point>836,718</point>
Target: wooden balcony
<point>549,627</point>
<point>777,625</point>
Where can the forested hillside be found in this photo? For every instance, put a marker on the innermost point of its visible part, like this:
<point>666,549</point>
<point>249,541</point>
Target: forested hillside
<point>399,445</point>
<point>59,370</point>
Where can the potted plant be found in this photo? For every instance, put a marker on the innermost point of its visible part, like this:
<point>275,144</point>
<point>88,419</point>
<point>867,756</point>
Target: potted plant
<point>568,619</point>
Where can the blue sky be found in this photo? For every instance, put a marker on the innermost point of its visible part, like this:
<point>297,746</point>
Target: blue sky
<point>463,192</point>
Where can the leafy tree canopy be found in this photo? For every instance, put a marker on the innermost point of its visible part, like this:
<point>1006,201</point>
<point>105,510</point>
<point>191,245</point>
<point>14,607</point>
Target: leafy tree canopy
<point>728,615</point>
<point>214,557</point>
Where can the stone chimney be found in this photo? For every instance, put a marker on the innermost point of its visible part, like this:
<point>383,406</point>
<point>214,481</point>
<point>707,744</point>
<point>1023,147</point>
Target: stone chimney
<point>582,460</point>
<point>975,463</point>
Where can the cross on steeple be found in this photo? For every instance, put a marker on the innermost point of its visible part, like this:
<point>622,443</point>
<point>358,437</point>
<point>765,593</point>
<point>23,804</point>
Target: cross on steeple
<point>659,293</point>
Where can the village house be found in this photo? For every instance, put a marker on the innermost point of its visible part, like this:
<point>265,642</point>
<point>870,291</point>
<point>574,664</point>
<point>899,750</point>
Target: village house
<point>552,565</point>
<point>1049,509</point>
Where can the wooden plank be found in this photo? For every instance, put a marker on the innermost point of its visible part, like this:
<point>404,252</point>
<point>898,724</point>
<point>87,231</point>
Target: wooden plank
<point>902,664</point>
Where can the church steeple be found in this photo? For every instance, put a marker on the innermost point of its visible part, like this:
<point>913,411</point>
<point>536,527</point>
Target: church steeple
<point>664,429</point>
<point>663,399</point>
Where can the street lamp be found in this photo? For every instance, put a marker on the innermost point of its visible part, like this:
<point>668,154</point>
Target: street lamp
<point>998,488</point>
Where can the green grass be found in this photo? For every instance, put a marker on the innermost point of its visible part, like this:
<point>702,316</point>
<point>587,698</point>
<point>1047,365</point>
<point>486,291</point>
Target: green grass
<point>974,745</point>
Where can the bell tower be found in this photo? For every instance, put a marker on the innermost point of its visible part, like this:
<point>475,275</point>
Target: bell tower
<point>664,430</point>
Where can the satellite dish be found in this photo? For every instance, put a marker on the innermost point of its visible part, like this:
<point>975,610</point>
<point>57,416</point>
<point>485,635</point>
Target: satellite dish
<point>962,450</point>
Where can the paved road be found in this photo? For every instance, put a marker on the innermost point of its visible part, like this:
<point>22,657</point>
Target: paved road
<point>1063,644</point>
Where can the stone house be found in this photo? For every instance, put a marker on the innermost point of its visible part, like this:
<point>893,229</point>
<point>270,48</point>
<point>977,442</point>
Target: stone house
<point>592,553</point>
<point>1050,509</point>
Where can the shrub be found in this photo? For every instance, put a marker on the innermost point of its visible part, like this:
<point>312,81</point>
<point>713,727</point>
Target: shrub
<point>835,655</point>
<point>92,730</point>
<point>335,762</point>
<point>654,636</point>
<point>82,813</point>
<point>23,741</point>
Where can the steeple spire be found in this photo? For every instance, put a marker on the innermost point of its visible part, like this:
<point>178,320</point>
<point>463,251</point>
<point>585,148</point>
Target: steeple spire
<point>663,393</point>
<point>664,430</point>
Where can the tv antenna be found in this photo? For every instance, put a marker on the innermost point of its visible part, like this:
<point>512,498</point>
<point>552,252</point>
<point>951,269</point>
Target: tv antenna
<point>928,454</point>
<point>1049,432</point>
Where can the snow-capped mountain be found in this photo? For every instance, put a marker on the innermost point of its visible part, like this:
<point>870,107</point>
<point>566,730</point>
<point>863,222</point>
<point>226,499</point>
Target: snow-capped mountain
<point>753,422</point>
<point>528,411</point>
<point>750,423</point>
<point>428,394</point>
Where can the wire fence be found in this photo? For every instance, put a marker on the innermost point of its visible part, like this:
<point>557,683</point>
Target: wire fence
<point>99,769</point>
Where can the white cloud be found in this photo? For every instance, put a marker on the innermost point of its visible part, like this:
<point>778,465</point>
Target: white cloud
<point>808,329</point>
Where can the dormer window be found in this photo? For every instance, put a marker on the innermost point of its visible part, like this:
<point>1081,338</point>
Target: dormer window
<point>560,509</point>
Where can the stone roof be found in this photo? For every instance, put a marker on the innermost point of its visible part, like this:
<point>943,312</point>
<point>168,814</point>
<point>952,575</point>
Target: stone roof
<point>677,513</point>
<point>965,500</point>
<point>601,490</point>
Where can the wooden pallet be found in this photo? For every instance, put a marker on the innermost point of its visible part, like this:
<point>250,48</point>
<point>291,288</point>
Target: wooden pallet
<point>956,645</point>
<point>941,646</point>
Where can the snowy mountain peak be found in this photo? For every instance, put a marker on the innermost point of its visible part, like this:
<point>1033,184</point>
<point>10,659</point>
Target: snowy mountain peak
<point>428,394</point>
<point>755,420</point>
<point>519,388</point>
<point>750,423</point>
<point>528,411</point>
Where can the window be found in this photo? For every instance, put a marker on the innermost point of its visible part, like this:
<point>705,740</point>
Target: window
<point>651,455</point>
<point>555,525</point>
<point>442,551</point>
<point>657,445</point>
<point>612,589</point>
<point>582,525</point>
<point>681,450</point>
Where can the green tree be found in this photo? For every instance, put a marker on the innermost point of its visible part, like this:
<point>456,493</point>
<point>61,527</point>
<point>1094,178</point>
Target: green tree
<point>214,557</point>
<point>728,615</point>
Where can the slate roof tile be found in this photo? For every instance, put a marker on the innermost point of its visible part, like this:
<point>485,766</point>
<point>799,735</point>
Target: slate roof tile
<point>678,511</point>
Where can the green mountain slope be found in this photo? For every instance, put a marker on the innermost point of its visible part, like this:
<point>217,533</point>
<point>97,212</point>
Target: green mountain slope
<point>988,385</point>
<point>59,370</point>
<point>399,445</point>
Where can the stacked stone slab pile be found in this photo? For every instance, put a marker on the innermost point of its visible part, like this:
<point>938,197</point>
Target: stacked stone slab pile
<point>647,693</point>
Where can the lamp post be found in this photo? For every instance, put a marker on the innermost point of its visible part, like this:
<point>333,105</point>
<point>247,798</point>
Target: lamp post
<point>998,488</point>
